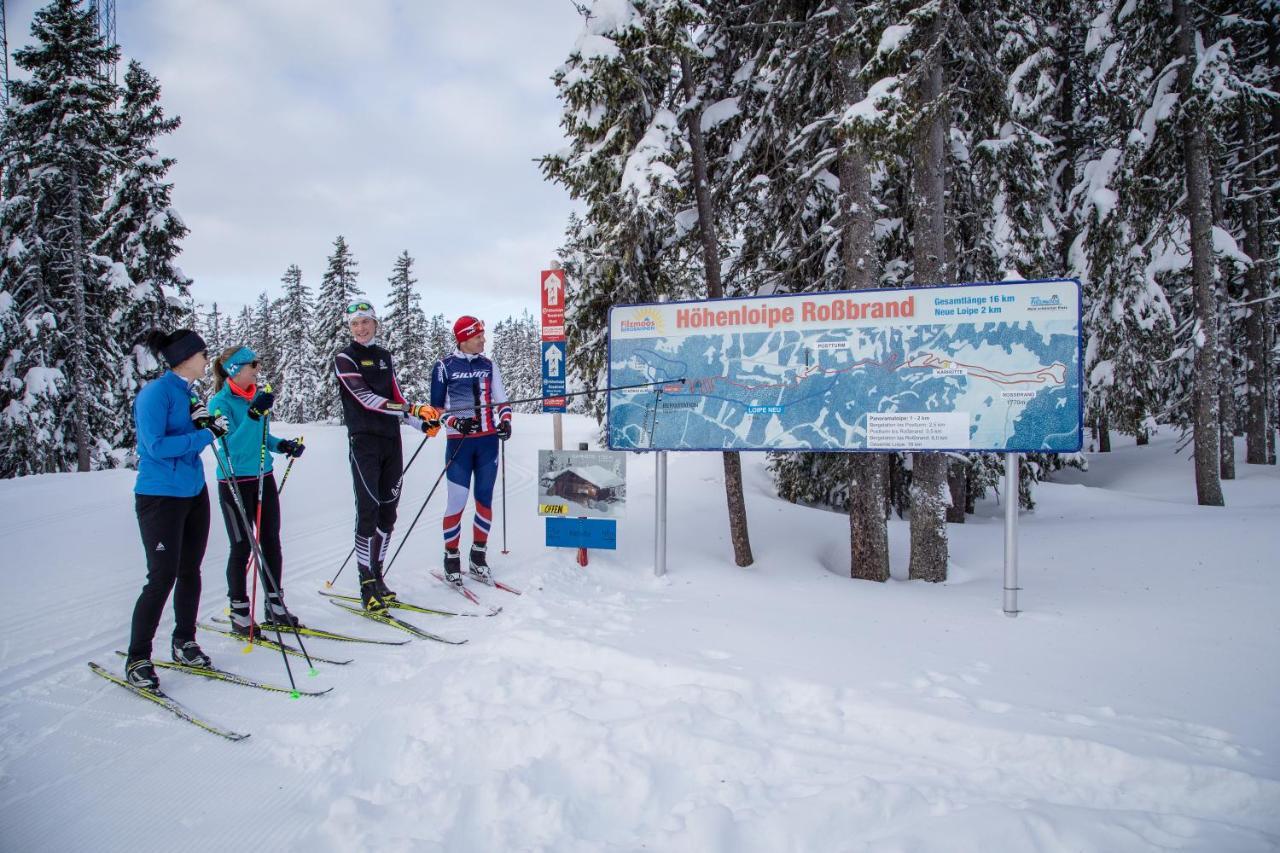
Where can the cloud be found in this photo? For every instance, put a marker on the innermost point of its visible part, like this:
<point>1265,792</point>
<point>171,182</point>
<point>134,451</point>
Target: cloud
<point>402,126</point>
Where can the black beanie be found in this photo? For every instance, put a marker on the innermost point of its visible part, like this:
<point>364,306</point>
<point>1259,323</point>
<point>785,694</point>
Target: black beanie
<point>177,346</point>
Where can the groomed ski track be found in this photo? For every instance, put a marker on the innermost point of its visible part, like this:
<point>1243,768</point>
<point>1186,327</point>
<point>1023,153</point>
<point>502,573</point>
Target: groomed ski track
<point>776,708</point>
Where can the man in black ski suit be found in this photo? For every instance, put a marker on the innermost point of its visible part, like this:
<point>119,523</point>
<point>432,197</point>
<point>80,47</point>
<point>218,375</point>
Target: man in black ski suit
<point>374,409</point>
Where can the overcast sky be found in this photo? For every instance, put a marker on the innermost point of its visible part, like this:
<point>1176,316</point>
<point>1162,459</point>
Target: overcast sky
<point>399,125</point>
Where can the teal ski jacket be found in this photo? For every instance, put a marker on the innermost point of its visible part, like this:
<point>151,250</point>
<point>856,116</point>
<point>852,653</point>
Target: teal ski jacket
<point>244,438</point>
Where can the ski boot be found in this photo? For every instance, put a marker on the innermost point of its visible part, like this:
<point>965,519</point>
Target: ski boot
<point>188,653</point>
<point>453,567</point>
<point>380,585</point>
<point>241,618</point>
<point>369,597</point>
<point>479,565</point>
<point>275,613</point>
<point>141,673</point>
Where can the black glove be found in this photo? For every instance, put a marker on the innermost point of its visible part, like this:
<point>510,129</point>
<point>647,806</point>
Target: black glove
<point>504,430</point>
<point>291,447</point>
<point>261,404</point>
<point>216,424</point>
<point>466,426</point>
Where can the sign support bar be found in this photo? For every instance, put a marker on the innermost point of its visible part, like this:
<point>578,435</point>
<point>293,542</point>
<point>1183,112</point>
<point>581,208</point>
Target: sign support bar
<point>660,514</point>
<point>1011,534</point>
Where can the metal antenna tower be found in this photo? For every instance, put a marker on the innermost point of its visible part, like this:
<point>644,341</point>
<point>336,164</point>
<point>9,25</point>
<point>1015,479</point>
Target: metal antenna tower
<point>104,15</point>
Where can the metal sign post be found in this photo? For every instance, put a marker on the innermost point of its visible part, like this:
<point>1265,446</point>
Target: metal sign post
<point>552,291</point>
<point>660,515</point>
<point>1011,534</point>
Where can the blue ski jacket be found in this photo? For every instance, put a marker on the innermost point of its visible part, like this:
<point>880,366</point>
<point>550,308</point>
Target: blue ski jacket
<point>244,439</point>
<point>169,444</point>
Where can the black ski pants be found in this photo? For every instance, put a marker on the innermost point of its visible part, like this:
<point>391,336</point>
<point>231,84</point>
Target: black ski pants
<point>377,463</point>
<point>174,534</point>
<point>241,540</point>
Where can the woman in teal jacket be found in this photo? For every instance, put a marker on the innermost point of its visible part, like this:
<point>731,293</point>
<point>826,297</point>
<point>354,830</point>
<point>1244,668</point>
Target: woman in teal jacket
<point>245,406</point>
<point>172,501</point>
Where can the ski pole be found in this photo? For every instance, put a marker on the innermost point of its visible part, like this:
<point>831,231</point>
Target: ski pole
<point>232,486</point>
<point>257,528</point>
<point>503,449</point>
<point>603,390</point>
<point>331,581</point>
<point>405,539</point>
<point>280,491</point>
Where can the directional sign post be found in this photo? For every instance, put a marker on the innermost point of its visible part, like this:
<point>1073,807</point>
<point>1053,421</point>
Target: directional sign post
<point>553,370</point>
<point>551,293</point>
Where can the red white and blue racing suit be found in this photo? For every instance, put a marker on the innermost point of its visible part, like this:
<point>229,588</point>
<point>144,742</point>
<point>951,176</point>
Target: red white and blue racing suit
<point>470,386</point>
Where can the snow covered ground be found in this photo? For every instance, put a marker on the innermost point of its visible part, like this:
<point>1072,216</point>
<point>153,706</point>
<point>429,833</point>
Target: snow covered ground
<point>1132,706</point>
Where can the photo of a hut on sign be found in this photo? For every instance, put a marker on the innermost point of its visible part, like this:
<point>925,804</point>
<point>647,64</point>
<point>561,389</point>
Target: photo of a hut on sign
<point>582,483</point>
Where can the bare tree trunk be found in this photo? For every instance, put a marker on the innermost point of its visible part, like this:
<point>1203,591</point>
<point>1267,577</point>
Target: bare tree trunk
<point>79,334</point>
<point>958,488</point>
<point>1257,354</point>
<point>1196,160</point>
<point>738,531</point>
<point>1226,344</point>
<point>1227,423</point>
<point>868,532</point>
<point>929,495</point>
<point>1103,431</point>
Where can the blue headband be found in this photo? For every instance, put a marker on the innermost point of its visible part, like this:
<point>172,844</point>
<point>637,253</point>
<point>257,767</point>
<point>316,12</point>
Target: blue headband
<point>238,359</point>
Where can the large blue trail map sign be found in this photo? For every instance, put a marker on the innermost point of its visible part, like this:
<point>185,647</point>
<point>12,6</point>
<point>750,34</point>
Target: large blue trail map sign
<point>993,367</point>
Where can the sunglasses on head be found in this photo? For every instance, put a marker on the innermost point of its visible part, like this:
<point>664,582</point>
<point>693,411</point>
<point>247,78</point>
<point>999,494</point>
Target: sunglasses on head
<point>359,306</point>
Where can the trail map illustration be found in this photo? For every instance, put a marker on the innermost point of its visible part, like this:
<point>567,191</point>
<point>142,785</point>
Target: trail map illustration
<point>967,367</point>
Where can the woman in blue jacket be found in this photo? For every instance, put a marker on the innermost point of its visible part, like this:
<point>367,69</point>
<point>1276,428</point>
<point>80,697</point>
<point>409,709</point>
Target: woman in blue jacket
<point>244,405</point>
<point>172,501</point>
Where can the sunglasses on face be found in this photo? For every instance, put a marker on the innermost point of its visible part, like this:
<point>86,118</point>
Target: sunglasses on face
<point>359,306</point>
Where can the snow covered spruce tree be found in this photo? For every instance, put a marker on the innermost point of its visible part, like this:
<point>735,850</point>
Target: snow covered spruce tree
<point>1169,77</point>
<point>1249,190</point>
<point>296,365</point>
<point>405,332</point>
<point>265,335</point>
<point>60,371</point>
<point>211,328</point>
<point>517,349</point>
<point>799,191</point>
<point>338,289</point>
<point>142,231</point>
<point>615,88</point>
<point>706,70</point>
<point>622,93</point>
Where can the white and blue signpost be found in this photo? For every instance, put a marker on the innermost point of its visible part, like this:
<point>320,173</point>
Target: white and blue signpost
<point>553,369</point>
<point>994,367</point>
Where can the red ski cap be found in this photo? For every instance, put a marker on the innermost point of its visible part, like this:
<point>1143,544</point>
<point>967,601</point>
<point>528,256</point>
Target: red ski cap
<point>467,328</point>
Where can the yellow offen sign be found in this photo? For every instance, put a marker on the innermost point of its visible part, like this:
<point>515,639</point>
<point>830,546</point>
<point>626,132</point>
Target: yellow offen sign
<point>553,509</point>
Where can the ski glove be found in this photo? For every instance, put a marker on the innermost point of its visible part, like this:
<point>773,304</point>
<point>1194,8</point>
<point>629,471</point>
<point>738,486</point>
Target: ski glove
<point>466,426</point>
<point>504,430</point>
<point>216,424</point>
<point>291,447</point>
<point>422,410</point>
<point>261,404</point>
<point>431,428</point>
